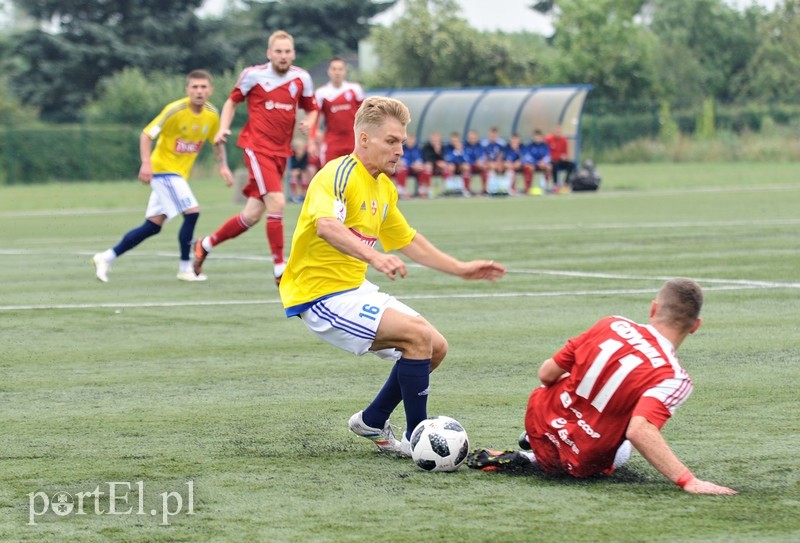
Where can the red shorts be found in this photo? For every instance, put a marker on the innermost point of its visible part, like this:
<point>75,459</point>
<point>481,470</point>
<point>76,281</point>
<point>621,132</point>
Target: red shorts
<point>546,452</point>
<point>266,174</point>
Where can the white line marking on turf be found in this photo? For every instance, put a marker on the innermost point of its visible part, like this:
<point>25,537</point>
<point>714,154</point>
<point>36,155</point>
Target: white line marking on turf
<point>741,285</point>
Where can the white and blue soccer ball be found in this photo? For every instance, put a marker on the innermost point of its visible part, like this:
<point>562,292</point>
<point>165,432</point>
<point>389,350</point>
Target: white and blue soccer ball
<point>439,444</point>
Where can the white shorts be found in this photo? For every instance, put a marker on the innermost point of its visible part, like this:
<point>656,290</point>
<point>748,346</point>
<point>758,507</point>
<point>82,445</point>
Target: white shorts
<point>350,321</point>
<point>170,195</point>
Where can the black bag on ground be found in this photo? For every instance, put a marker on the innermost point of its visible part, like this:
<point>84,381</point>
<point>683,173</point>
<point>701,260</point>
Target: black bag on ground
<point>585,178</point>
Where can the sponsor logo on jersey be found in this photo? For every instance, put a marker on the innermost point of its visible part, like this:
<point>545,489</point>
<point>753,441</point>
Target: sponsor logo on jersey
<point>187,147</point>
<point>588,429</point>
<point>566,399</point>
<point>341,107</point>
<point>558,423</point>
<point>563,435</point>
<point>367,240</point>
<point>269,105</point>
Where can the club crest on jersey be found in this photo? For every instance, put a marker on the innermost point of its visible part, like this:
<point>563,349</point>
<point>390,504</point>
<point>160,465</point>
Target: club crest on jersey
<point>339,210</point>
<point>348,96</point>
<point>293,89</point>
<point>374,206</point>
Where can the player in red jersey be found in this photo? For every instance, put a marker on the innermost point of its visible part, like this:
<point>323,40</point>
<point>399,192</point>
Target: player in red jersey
<point>559,157</point>
<point>273,92</point>
<point>338,102</point>
<point>613,386</point>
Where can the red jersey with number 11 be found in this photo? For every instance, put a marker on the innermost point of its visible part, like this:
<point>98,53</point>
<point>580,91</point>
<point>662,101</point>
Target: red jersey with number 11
<point>617,369</point>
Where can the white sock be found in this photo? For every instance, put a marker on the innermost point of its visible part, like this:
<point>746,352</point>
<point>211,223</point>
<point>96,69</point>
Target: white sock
<point>529,455</point>
<point>185,266</point>
<point>206,243</point>
<point>109,255</point>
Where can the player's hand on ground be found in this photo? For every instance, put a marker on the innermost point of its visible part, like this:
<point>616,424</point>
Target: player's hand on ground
<point>696,486</point>
<point>483,269</point>
<point>389,264</point>
<point>146,173</point>
<point>222,136</point>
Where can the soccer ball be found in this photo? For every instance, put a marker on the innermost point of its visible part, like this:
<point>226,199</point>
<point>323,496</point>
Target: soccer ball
<point>439,444</point>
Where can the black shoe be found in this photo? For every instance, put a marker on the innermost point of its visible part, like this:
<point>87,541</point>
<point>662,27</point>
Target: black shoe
<point>490,460</point>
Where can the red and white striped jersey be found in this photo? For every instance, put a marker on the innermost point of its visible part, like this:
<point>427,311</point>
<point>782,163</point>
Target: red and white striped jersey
<point>617,369</point>
<point>272,102</point>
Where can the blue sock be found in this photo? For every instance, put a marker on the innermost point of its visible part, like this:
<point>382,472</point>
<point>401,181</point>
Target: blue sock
<point>136,236</point>
<point>414,377</point>
<point>186,234</point>
<point>388,398</point>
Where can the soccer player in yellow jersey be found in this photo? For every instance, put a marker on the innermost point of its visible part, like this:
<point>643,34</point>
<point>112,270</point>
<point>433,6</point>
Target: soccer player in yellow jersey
<point>351,204</point>
<point>181,129</point>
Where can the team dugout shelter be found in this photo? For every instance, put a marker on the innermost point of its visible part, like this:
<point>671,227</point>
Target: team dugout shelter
<point>519,110</point>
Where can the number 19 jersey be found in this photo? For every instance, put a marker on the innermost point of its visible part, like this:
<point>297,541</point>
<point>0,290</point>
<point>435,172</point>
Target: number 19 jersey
<point>618,369</point>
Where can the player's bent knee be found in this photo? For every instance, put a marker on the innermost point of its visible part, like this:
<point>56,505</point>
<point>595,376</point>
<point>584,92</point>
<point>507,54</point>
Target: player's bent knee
<point>439,350</point>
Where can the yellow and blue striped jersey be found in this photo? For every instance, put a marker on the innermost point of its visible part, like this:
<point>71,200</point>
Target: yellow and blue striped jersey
<point>181,134</point>
<point>344,190</point>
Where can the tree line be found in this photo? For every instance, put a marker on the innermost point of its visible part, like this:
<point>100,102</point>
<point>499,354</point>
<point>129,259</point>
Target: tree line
<point>101,58</point>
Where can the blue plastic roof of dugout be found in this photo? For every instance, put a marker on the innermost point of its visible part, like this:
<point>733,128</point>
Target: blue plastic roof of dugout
<point>518,110</point>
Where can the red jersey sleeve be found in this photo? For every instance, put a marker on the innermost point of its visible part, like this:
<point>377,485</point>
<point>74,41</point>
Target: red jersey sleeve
<point>565,358</point>
<point>309,103</point>
<point>659,403</point>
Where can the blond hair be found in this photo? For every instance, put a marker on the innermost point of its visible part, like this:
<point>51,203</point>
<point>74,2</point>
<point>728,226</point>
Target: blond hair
<point>376,109</point>
<point>679,303</point>
<point>279,35</point>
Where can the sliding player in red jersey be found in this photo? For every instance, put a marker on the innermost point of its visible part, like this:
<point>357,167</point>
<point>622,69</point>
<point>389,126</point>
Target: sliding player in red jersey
<point>273,92</point>
<point>613,386</point>
<point>338,102</point>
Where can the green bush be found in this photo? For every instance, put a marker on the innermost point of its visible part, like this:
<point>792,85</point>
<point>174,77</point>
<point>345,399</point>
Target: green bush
<point>69,153</point>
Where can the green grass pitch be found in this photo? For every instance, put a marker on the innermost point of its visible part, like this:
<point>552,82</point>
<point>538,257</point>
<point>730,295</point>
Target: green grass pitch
<point>206,394</point>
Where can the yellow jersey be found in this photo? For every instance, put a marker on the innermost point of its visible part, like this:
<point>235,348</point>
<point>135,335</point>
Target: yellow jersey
<point>345,190</point>
<point>181,134</point>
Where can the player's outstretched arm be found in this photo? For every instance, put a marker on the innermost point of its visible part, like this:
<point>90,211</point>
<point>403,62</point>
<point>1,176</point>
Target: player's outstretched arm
<point>422,251</point>
<point>647,439</point>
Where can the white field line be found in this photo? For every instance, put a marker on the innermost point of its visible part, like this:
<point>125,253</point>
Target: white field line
<point>724,285</point>
<point>642,225</point>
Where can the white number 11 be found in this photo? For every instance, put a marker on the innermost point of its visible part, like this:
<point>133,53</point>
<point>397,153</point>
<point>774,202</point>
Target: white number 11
<point>627,364</point>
